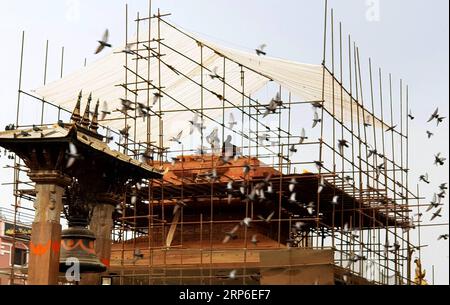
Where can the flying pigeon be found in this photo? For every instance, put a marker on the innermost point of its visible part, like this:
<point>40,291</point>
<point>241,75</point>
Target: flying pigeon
<point>441,195</point>
<point>231,235</point>
<point>156,97</point>
<point>126,105</point>
<point>310,208</point>
<point>125,131</point>
<point>260,50</point>
<point>440,120</point>
<point>246,221</point>
<point>424,178</point>
<point>133,199</point>
<point>444,237</point>
<point>435,115</point>
<point>72,155</point>
<point>438,160</point>
<point>292,184</point>
<point>321,185</point>
<point>231,121</point>
<point>346,227</point>
<point>143,110</point>
<point>196,125</point>
<point>214,75</point>
<point>298,225</point>
<point>103,43</point>
<point>177,138</point>
<point>268,219</point>
<point>292,150</point>
<point>436,214</point>
<point>128,50</point>
<point>273,105</point>
<point>255,240</point>
<point>303,136</point>
<point>270,188</point>
<point>367,121</point>
<point>104,111</point>
<point>372,152</point>
<point>230,191</point>
<point>293,198</point>
<point>316,120</point>
<point>335,200</point>
<point>246,169</point>
<point>261,138</point>
<point>213,138</point>
<point>434,203</point>
<point>232,274</point>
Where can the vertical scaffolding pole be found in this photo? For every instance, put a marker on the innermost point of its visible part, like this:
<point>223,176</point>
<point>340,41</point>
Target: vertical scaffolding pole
<point>407,188</point>
<point>394,179</point>
<point>62,63</point>
<point>148,148</point>
<point>322,111</point>
<point>45,81</point>
<point>17,164</point>
<point>334,121</point>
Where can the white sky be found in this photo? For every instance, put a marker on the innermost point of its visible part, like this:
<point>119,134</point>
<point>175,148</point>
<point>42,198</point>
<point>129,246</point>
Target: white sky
<point>410,40</point>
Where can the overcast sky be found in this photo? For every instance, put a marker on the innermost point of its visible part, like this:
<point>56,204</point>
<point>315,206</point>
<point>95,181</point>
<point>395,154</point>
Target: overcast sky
<point>408,38</point>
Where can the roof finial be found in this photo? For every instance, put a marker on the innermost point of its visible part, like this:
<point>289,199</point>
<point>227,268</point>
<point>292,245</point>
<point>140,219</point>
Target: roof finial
<point>76,111</point>
<point>85,121</point>
<point>94,122</point>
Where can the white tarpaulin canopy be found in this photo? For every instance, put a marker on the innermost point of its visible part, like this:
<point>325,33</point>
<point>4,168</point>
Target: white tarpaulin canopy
<point>179,51</point>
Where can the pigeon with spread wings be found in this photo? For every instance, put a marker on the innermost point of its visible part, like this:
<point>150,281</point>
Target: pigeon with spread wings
<point>316,120</point>
<point>104,42</point>
<point>177,138</point>
<point>260,50</point>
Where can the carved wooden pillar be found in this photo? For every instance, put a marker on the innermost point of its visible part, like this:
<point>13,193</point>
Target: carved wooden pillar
<point>43,267</point>
<point>101,225</point>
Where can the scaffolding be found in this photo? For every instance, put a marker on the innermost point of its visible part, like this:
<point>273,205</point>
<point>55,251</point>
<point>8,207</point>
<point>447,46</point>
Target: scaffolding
<point>363,213</point>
